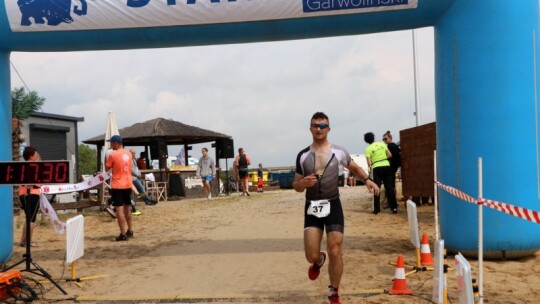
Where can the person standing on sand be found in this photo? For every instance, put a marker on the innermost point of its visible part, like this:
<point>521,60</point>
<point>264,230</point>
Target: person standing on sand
<point>317,173</point>
<point>205,170</point>
<point>120,162</point>
<point>242,162</point>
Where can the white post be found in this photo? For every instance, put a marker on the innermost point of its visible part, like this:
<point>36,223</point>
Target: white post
<point>416,98</point>
<point>480,236</point>
<point>435,196</point>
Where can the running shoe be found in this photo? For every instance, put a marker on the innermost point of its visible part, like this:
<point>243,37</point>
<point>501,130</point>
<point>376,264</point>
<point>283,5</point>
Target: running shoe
<point>315,269</point>
<point>121,237</point>
<point>333,296</point>
<point>136,213</point>
<point>247,193</point>
<point>129,234</point>
<point>110,212</point>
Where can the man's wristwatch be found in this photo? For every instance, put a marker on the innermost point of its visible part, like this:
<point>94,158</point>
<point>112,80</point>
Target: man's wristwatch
<point>367,178</point>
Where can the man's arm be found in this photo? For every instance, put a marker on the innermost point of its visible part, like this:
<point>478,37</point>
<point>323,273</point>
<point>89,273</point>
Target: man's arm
<point>199,168</point>
<point>358,171</point>
<point>300,182</point>
<point>108,163</point>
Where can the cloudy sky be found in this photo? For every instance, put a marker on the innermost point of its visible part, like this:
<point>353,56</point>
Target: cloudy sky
<point>261,94</point>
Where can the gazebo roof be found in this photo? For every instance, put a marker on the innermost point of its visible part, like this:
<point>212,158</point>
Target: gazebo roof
<point>174,133</point>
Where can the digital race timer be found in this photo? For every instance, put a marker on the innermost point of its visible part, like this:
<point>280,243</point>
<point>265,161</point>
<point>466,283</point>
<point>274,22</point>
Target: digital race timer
<point>38,172</point>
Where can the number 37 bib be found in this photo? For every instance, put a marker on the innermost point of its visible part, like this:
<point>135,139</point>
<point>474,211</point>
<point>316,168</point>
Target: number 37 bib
<point>320,208</point>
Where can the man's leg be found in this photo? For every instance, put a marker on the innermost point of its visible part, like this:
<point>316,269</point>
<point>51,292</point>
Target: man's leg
<point>312,244</point>
<point>389,185</point>
<point>207,189</point>
<point>121,218</point>
<point>246,185</point>
<point>335,267</point>
<point>377,198</point>
<point>129,218</point>
<point>312,247</point>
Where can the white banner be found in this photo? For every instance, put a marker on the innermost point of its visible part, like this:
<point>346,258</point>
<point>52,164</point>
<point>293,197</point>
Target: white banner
<point>87,184</point>
<point>65,15</point>
<point>57,225</point>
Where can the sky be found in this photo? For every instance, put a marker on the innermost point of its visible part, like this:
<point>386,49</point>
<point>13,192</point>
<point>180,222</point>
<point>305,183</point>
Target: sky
<point>261,94</point>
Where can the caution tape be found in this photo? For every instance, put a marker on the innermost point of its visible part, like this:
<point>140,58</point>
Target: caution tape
<point>520,212</point>
<point>457,193</point>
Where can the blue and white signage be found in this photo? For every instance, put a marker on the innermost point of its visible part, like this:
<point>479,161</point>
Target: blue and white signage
<point>65,15</point>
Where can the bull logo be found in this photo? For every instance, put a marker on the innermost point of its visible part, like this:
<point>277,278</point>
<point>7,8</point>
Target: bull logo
<point>55,11</point>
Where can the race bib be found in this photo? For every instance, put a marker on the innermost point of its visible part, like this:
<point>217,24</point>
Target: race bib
<point>320,208</point>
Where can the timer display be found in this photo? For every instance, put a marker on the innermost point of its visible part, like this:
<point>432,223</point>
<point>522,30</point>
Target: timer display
<point>38,172</point>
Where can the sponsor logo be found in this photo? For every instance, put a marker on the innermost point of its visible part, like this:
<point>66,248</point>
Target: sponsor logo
<point>311,6</point>
<point>55,12</point>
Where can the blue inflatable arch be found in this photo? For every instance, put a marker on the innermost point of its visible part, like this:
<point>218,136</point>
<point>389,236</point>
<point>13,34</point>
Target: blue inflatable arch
<point>486,55</point>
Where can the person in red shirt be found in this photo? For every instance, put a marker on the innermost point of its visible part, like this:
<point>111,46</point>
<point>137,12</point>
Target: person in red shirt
<point>120,162</point>
<point>141,161</point>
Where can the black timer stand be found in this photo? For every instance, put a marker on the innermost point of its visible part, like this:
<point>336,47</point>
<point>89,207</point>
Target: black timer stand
<point>27,257</point>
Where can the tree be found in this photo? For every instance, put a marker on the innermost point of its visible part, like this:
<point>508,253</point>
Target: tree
<point>23,104</point>
<point>87,160</point>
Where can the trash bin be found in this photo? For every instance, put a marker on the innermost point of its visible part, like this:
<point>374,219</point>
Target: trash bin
<point>285,178</point>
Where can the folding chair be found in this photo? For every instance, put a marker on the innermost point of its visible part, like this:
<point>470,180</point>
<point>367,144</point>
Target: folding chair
<point>158,190</point>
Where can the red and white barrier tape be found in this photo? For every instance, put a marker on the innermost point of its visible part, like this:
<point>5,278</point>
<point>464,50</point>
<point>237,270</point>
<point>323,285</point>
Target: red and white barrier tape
<point>520,212</point>
<point>457,193</point>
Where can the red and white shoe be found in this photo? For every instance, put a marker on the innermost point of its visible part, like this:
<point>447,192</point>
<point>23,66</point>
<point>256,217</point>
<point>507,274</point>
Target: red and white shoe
<point>333,296</point>
<point>315,269</point>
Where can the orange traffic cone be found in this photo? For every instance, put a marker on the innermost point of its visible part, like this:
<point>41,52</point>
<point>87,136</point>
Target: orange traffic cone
<point>425,254</point>
<point>400,282</point>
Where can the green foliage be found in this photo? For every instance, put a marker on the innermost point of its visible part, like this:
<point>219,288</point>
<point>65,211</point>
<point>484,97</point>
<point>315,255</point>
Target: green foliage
<point>87,160</point>
<point>23,104</point>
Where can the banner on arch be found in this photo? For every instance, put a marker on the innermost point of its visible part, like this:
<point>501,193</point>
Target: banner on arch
<point>66,15</point>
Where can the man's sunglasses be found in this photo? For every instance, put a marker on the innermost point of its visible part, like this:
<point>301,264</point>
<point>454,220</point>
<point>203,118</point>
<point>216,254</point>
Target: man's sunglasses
<point>321,126</point>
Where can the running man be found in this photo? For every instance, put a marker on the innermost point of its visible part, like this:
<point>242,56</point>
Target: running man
<point>242,162</point>
<point>317,172</point>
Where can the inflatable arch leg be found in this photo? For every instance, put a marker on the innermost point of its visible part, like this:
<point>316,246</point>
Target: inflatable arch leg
<point>487,106</point>
<point>6,193</point>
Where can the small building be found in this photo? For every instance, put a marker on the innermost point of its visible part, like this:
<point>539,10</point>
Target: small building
<point>56,138</point>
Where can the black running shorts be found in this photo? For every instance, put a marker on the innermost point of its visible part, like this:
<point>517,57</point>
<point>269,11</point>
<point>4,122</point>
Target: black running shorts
<point>33,200</point>
<point>333,222</point>
<point>121,197</point>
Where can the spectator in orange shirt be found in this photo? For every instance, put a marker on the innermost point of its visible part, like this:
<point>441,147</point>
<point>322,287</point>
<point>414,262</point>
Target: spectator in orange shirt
<point>120,162</point>
<point>29,197</point>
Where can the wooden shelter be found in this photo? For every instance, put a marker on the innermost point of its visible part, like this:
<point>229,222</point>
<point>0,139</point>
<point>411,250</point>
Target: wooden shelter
<point>158,133</point>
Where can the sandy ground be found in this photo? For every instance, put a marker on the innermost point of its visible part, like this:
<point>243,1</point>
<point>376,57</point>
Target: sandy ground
<point>250,249</point>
